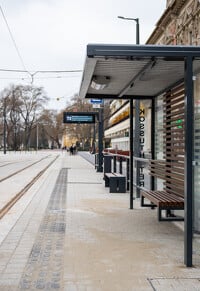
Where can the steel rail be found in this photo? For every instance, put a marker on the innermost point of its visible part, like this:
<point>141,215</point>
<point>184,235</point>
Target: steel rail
<point>21,170</point>
<point>10,204</point>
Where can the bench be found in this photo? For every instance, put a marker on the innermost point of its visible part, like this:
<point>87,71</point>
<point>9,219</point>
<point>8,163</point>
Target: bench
<point>164,201</point>
<point>116,182</point>
<point>171,169</point>
<point>171,198</point>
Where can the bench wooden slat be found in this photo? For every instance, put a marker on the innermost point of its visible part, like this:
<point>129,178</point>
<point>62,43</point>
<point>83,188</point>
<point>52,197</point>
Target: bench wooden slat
<point>163,198</point>
<point>176,192</point>
<point>179,190</point>
<point>172,115</point>
<point>167,174</point>
<point>174,158</point>
<point>175,172</point>
<point>176,149</point>
<point>176,100</point>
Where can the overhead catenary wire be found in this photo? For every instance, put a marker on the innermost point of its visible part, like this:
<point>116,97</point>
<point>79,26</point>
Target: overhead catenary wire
<point>13,40</point>
<point>33,73</point>
<point>30,73</point>
<point>38,78</point>
<point>40,71</point>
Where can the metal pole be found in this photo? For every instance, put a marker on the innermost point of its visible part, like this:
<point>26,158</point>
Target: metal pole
<point>131,153</point>
<point>152,139</point>
<point>4,126</point>
<point>94,140</point>
<point>131,117</point>
<point>188,233</point>
<point>137,144</point>
<point>37,136</point>
<point>100,142</point>
<point>134,143</point>
<point>137,31</point>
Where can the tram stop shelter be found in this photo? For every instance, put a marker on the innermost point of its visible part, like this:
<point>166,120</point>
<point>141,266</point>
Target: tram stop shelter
<point>138,72</point>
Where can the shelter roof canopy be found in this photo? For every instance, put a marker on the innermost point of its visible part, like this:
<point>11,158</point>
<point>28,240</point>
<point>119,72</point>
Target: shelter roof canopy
<point>137,71</point>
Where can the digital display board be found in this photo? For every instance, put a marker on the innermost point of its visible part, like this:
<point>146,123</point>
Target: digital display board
<point>78,117</point>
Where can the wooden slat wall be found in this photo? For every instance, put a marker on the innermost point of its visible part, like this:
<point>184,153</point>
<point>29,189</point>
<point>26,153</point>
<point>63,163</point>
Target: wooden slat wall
<point>174,140</point>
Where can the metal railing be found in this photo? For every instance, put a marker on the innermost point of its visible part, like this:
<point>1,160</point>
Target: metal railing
<point>118,163</point>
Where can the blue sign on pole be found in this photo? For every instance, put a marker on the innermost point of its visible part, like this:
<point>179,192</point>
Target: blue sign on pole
<point>78,117</point>
<point>96,101</point>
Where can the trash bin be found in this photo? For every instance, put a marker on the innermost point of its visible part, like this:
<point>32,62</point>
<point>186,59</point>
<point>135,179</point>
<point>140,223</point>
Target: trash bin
<point>117,184</point>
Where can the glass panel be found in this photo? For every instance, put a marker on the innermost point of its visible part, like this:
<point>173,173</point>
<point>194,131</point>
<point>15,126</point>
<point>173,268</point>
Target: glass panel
<point>159,128</point>
<point>144,124</point>
<point>141,176</point>
<point>145,129</point>
<point>159,136</point>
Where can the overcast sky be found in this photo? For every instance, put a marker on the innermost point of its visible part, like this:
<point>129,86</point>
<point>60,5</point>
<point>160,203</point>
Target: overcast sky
<point>53,34</point>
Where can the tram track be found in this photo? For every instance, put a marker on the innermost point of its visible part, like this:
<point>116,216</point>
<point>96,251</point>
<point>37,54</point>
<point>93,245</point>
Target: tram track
<point>23,169</point>
<point>17,196</point>
<point>8,164</point>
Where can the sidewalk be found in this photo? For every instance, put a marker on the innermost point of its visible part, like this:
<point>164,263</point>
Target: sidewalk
<point>74,235</point>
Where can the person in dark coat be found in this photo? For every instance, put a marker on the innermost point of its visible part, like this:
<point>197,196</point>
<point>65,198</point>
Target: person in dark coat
<point>71,149</point>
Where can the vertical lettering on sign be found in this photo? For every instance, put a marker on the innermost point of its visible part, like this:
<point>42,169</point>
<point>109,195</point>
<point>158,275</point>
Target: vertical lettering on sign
<point>142,141</point>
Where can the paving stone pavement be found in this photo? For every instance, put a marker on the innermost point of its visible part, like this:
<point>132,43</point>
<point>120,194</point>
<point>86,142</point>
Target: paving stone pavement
<point>74,235</point>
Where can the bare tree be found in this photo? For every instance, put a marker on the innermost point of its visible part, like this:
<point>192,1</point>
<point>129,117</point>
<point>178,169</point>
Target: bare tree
<point>52,124</point>
<point>32,100</point>
<point>20,106</point>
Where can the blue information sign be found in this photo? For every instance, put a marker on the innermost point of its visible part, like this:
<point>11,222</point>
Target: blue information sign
<point>96,101</point>
<point>78,117</point>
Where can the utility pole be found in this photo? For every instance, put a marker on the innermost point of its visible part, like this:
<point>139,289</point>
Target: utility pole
<point>4,126</point>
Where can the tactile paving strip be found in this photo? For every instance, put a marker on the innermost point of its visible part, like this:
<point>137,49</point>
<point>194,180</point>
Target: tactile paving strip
<point>44,268</point>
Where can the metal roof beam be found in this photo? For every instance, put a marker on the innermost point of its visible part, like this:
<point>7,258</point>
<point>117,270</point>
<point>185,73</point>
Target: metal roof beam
<point>96,50</point>
<point>124,97</point>
<point>136,77</point>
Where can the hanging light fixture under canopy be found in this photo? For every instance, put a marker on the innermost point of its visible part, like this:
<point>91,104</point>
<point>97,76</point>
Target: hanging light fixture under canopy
<point>100,82</point>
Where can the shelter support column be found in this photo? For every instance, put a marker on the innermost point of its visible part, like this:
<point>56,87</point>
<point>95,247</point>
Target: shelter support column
<point>188,187</point>
<point>100,141</point>
<point>137,144</point>
<point>152,183</point>
<point>131,153</point>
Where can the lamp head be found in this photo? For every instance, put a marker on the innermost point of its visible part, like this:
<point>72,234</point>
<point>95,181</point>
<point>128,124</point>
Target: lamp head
<point>100,82</point>
<point>130,18</point>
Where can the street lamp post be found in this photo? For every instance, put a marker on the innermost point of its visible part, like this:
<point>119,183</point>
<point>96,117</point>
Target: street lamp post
<point>137,112</point>
<point>137,27</point>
